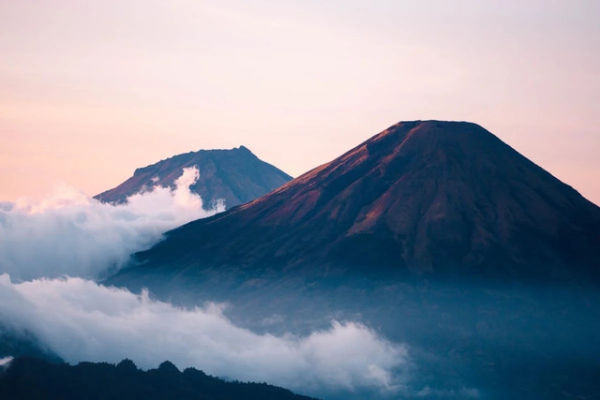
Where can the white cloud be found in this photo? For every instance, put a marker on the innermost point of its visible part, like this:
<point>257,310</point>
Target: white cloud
<point>71,234</point>
<point>81,320</point>
<point>69,238</point>
<point>5,362</point>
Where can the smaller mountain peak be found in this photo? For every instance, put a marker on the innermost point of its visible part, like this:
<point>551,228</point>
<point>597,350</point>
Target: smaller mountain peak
<point>234,175</point>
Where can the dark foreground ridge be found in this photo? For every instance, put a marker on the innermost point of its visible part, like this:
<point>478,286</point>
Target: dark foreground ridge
<point>30,378</point>
<point>422,198</point>
<point>235,176</point>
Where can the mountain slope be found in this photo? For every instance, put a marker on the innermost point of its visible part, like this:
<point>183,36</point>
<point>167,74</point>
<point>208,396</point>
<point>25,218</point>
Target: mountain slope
<point>236,176</point>
<point>422,197</point>
<point>29,378</point>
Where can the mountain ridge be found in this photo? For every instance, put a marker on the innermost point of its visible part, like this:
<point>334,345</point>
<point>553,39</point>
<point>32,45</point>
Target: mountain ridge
<point>30,378</point>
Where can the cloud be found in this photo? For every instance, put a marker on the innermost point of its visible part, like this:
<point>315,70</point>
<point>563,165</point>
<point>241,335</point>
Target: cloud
<point>5,362</point>
<point>52,251</point>
<point>82,320</point>
<point>72,234</point>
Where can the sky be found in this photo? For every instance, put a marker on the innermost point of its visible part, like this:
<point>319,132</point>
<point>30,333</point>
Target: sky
<point>89,91</point>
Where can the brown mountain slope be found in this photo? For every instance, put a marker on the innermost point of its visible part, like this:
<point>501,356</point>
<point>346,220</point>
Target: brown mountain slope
<point>422,197</point>
<point>235,176</point>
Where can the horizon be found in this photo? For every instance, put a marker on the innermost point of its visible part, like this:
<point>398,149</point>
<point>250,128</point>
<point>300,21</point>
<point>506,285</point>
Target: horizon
<point>57,184</point>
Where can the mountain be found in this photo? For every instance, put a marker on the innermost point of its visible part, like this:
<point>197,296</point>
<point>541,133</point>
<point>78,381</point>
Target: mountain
<point>422,198</point>
<point>235,176</point>
<point>437,235</point>
<point>29,378</point>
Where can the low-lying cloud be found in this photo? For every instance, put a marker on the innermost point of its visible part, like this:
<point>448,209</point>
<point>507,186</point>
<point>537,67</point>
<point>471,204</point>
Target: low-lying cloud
<point>81,320</point>
<point>72,234</point>
<point>52,251</point>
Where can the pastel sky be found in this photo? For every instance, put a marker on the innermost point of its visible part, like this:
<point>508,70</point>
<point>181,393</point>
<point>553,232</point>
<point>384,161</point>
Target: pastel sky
<point>91,90</point>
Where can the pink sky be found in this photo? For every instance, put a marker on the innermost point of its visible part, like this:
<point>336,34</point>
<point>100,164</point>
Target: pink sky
<point>90,91</point>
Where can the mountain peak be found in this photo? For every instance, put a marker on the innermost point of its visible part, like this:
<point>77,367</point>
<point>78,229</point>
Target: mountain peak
<point>420,197</point>
<point>443,135</point>
<point>234,176</point>
<point>406,148</point>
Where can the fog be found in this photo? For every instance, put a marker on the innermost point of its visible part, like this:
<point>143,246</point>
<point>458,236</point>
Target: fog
<point>69,233</point>
<point>82,320</point>
<point>353,339</point>
<point>53,252</point>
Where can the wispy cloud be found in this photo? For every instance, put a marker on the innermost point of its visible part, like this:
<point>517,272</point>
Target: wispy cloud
<point>69,233</point>
<point>82,320</point>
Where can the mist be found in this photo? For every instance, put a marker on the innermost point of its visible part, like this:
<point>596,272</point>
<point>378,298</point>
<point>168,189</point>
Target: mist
<point>81,320</point>
<point>53,252</point>
<point>69,233</point>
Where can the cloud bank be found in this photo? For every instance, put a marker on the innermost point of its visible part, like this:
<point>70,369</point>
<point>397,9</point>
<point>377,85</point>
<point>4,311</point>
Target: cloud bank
<point>52,251</point>
<point>71,234</point>
<point>81,320</point>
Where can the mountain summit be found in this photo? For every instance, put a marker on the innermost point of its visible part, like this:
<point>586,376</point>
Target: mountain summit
<point>235,176</point>
<point>420,198</point>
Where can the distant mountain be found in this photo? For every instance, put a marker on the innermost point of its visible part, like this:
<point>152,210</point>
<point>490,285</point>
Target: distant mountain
<point>422,198</point>
<point>29,379</point>
<point>236,176</point>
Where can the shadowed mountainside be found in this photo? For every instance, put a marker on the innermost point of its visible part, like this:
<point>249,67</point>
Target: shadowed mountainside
<point>420,198</point>
<point>28,379</point>
<point>22,344</point>
<point>235,176</point>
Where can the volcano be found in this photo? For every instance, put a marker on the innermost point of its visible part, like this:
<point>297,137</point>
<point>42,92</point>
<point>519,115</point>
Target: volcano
<point>233,176</point>
<point>421,198</point>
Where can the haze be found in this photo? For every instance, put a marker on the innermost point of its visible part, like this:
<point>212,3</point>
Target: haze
<point>90,91</point>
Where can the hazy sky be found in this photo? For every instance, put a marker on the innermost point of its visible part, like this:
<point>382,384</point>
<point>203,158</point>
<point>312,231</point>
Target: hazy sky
<point>90,91</point>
